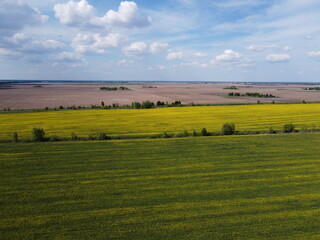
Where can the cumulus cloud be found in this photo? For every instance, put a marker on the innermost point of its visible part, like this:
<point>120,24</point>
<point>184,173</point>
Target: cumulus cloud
<point>194,64</point>
<point>158,47</point>
<point>287,48</point>
<point>314,54</point>
<point>234,58</point>
<point>127,16</point>
<point>200,54</point>
<point>14,15</point>
<point>124,62</point>
<point>68,57</point>
<point>95,43</point>
<point>82,15</point>
<point>74,14</point>
<point>228,56</point>
<point>20,42</point>
<point>260,48</point>
<point>175,55</point>
<point>278,58</point>
<point>136,49</point>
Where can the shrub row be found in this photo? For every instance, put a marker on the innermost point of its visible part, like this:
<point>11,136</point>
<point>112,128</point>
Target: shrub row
<point>38,134</point>
<point>257,95</point>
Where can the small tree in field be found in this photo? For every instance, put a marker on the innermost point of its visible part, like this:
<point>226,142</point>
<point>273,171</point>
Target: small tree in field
<point>101,136</point>
<point>288,128</point>
<point>147,104</point>
<point>136,105</point>
<point>204,132</point>
<point>228,129</point>
<point>38,135</point>
<point>15,137</point>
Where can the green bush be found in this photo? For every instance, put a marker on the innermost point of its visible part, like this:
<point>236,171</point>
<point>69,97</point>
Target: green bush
<point>270,130</point>
<point>101,136</point>
<point>288,128</point>
<point>228,129</point>
<point>136,105</point>
<point>147,104</point>
<point>15,137</point>
<point>73,136</point>
<point>38,135</point>
<point>53,139</point>
<point>204,132</point>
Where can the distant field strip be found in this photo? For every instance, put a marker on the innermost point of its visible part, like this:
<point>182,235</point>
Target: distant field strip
<point>155,121</point>
<point>237,187</point>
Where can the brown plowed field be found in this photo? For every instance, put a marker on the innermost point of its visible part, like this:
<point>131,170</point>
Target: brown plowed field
<point>27,96</point>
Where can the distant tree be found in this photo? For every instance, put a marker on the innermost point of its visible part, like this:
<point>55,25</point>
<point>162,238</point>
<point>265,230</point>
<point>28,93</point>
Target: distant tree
<point>73,136</point>
<point>147,104</point>
<point>185,133</point>
<point>228,129</point>
<point>101,136</point>
<point>165,135</point>
<point>46,108</point>
<point>38,135</point>
<point>270,130</point>
<point>15,137</point>
<point>136,105</point>
<point>160,103</point>
<point>194,133</point>
<point>176,103</point>
<point>204,132</point>
<point>61,107</point>
<point>288,128</point>
<point>102,103</point>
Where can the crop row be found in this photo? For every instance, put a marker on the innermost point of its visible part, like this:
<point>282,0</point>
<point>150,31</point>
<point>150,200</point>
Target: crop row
<point>239,187</point>
<point>133,122</point>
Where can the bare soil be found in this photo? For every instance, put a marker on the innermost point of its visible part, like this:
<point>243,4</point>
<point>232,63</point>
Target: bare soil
<point>27,96</point>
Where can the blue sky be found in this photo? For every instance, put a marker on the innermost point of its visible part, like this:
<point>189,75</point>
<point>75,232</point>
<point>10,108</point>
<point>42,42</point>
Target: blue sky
<point>178,40</point>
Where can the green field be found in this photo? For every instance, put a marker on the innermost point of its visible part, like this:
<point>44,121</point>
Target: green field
<point>128,122</point>
<point>237,187</point>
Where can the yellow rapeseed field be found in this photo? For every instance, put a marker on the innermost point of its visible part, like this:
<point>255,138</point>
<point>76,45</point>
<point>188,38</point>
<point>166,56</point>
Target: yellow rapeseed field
<point>120,122</point>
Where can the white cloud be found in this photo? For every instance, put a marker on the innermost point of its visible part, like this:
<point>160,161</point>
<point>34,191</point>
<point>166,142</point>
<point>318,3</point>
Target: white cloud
<point>236,3</point>
<point>200,54</point>
<point>260,48</point>
<point>124,62</point>
<point>127,16</point>
<point>158,47</point>
<point>74,14</point>
<point>228,56</point>
<point>234,58</point>
<point>287,48</point>
<point>82,15</point>
<point>95,43</point>
<point>20,42</point>
<point>68,57</point>
<point>314,54</point>
<point>136,49</point>
<point>278,58</point>
<point>175,55</point>
<point>194,64</point>
<point>14,15</point>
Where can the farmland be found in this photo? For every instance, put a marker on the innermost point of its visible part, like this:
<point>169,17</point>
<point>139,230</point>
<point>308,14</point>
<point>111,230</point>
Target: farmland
<point>126,122</point>
<point>28,95</point>
<point>236,187</point>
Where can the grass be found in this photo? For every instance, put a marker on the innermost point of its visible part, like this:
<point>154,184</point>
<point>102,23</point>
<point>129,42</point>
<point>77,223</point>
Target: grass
<point>123,122</point>
<point>238,187</point>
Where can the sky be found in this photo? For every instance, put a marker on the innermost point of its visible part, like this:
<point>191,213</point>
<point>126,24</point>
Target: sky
<point>168,40</point>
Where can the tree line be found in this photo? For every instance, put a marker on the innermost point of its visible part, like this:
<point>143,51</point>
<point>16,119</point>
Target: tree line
<point>39,135</point>
<point>248,94</point>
